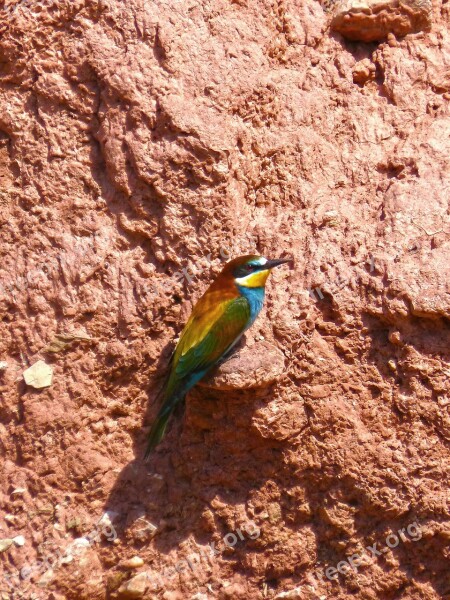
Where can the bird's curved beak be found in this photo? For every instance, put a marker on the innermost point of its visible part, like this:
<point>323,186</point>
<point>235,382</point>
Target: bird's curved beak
<point>270,264</point>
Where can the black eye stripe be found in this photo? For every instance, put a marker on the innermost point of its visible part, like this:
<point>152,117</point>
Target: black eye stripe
<point>247,269</point>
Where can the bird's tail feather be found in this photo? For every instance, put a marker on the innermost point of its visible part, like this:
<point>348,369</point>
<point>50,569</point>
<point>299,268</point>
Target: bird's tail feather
<point>159,425</point>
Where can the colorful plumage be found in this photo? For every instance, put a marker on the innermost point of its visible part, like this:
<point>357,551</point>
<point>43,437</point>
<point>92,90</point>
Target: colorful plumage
<point>226,310</point>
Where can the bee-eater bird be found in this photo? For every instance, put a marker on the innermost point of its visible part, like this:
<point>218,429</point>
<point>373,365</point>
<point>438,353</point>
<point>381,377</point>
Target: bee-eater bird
<point>224,312</point>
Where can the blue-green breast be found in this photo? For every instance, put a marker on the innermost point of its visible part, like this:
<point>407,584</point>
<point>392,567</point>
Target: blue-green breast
<point>255,297</point>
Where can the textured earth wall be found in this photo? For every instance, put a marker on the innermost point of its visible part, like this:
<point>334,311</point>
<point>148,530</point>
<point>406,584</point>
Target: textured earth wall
<point>143,142</point>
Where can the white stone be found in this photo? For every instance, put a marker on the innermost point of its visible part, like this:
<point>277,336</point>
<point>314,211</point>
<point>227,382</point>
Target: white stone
<point>133,563</point>
<point>39,375</point>
<point>5,544</point>
<point>10,518</point>
<point>135,587</point>
<point>77,547</point>
<point>46,578</point>
<point>290,595</point>
<point>107,518</point>
<point>19,540</point>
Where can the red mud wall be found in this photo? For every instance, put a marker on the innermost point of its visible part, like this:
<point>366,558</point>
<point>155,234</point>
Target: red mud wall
<point>140,139</point>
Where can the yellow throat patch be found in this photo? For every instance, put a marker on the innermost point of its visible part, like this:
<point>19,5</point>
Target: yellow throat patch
<point>254,280</point>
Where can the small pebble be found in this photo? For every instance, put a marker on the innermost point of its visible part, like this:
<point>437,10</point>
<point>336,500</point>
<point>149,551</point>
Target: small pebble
<point>39,375</point>
<point>46,578</point>
<point>5,544</point>
<point>107,518</point>
<point>133,563</point>
<point>10,518</point>
<point>135,587</point>
<point>19,540</point>
<point>147,532</point>
<point>392,40</point>
<point>395,338</point>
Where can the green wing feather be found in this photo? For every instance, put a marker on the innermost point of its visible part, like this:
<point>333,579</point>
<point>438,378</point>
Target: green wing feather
<point>195,354</point>
<point>223,334</point>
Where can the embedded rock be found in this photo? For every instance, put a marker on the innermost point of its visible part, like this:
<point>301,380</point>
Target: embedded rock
<point>39,375</point>
<point>374,20</point>
<point>134,587</point>
<point>255,365</point>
